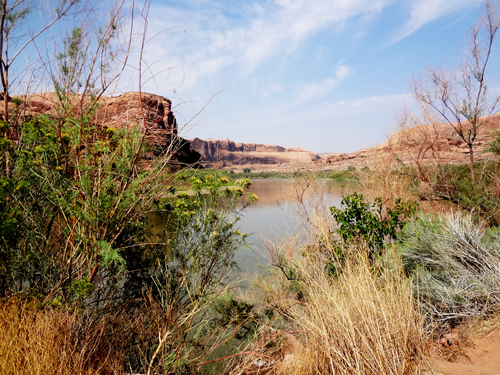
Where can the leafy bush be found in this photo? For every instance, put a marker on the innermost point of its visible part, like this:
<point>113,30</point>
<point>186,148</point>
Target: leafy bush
<point>360,220</point>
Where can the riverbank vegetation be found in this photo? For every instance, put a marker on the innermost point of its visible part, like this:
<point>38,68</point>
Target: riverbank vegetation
<point>108,267</point>
<point>347,175</point>
<point>104,268</point>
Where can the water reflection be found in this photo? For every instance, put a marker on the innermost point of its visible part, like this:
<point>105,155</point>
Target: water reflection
<point>273,215</point>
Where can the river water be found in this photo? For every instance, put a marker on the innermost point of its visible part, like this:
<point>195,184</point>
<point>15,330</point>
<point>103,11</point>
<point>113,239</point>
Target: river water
<point>275,216</point>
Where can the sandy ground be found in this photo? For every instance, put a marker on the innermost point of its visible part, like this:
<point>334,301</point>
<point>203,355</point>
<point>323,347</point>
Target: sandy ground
<point>481,356</point>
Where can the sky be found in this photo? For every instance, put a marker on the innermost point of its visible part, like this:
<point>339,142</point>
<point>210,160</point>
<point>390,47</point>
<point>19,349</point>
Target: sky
<point>324,75</point>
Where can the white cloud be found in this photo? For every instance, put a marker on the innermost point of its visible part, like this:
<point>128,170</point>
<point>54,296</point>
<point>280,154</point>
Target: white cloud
<point>343,71</point>
<point>310,90</point>
<point>211,40</point>
<point>424,11</point>
<point>270,89</point>
<point>291,22</point>
<point>313,90</point>
<point>385,101</point>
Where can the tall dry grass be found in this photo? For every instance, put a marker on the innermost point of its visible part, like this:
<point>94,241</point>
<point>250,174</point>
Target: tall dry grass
<point>43,341</point>
<point>365,321</point>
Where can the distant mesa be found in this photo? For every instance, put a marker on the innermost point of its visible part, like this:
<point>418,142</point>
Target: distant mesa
<point>236,155</point>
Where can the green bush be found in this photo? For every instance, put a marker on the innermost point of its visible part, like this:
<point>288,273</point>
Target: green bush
<point>370,222</point>
<point>75,229</point>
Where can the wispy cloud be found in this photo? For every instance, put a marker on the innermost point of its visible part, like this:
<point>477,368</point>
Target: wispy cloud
<point>312,90</point>
<point>343,71</point>
<point>386,101</point>
<point>268,89</point>
<point>425,11</point>
<point>211,40</point>
<point>291,22</point>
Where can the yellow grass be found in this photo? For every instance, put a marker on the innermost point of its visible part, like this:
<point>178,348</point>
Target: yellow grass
<point>44,342</point>
<point>363,322</point>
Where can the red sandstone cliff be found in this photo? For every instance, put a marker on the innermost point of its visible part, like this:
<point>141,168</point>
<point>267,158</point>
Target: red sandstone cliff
<point>426,144</point>
<point>151,113</point>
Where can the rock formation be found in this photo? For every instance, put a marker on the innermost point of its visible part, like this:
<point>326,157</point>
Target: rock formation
<point>229,154</point>
<point>151,113</point>
<point>426,144</point>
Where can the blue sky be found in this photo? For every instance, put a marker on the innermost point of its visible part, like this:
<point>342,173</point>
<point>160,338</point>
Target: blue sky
<point>324,75</point>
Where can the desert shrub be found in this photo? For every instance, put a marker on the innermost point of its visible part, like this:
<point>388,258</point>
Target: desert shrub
<point>247,170</point>
<point>455,264</point>
<point>370,222</point>
<point>77,204</point>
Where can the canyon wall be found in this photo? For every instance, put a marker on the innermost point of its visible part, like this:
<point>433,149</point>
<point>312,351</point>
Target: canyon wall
<point>150,113</point>
<point>236,155</point>
<point>427,144</point>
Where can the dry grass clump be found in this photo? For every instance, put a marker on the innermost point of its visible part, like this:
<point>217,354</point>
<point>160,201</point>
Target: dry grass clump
<point>35,341</point>
<point>363,322</point>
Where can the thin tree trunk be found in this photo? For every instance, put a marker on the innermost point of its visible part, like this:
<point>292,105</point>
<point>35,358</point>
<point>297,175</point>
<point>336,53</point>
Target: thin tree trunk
<point>471,165</point>
<point>6,118</point>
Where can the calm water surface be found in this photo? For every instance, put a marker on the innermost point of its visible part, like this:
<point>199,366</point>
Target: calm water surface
<point>273,217</point>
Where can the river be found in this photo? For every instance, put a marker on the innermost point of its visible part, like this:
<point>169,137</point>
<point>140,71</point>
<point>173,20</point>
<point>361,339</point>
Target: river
<point>275,216</point>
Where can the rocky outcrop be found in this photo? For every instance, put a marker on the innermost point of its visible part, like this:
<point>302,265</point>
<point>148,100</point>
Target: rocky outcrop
<point>228,154</point>
<point>426,144</point>
<point>152,114</point>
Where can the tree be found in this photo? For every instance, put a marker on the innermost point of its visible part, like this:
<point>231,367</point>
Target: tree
<point>460,97</point>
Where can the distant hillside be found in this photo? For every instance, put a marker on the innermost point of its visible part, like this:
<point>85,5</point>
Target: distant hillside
<point>427,144</point>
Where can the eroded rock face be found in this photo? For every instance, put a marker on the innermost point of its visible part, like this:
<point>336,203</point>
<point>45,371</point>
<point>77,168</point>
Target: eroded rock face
<point>226,153</point>
<point>424,144</point>
<point>151,113</point>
